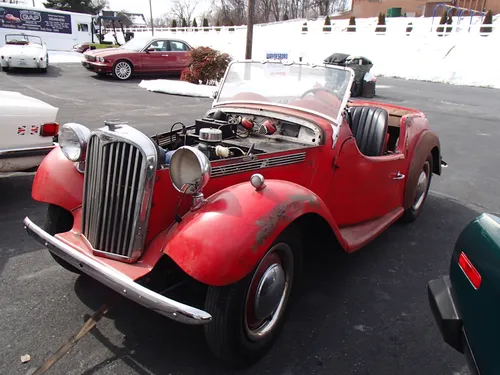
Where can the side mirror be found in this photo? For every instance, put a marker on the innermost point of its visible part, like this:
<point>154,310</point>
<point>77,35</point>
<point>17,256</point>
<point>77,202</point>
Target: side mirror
<point>150,49</point>
<point>214,95</point>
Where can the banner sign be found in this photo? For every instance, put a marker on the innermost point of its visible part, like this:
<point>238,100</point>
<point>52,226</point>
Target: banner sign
<point>34,20</point>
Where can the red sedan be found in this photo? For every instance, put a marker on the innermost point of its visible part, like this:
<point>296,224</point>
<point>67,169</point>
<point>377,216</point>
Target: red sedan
<point>140,55</point>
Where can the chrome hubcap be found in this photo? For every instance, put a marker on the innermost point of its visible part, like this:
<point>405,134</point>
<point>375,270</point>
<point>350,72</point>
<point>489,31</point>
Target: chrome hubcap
<point>123,70</point>
<point>268,292</point>
<point>421,187</point>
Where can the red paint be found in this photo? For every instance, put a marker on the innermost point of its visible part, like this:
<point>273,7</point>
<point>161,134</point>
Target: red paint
<point>169,60</point>
<point>58,182</point>
<point>223,241</point>
<point>251,220</point>
<point>49,129</point>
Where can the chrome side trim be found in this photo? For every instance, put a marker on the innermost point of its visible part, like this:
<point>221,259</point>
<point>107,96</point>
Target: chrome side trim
<point>26,152</point>
<point>257,164</point>
<point>117,280</point>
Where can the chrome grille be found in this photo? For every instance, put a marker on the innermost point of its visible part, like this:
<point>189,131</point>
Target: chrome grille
<point>117,193</point>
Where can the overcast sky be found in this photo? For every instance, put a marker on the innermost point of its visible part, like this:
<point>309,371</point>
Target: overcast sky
<point>142,6</point>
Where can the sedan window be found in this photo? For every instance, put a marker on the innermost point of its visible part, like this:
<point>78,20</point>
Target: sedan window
<point>178,46</point>
<point>159,45</point>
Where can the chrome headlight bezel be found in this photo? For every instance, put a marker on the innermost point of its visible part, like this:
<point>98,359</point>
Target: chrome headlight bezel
<point>79,135</point>
<point>190,170</point>
<point>100,59</point>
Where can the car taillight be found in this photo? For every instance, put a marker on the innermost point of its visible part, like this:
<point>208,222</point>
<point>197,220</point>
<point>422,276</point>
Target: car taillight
<point>49,130</point>
<point>469,270</point>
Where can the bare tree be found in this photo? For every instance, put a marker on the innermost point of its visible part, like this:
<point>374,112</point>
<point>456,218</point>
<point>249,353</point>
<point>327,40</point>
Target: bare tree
<point>184,9</point>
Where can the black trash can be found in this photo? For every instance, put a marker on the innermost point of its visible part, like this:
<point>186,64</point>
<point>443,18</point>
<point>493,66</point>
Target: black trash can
<point>360,64</point>
<point>368,90</point>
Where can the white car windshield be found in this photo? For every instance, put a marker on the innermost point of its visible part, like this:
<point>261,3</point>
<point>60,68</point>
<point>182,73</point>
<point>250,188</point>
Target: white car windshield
<point>317,89</point>
<point>135,44</point>
<point>22,39</point>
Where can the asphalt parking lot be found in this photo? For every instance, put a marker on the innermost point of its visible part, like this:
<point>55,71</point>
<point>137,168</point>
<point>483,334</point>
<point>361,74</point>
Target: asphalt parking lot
<point>366,313</point>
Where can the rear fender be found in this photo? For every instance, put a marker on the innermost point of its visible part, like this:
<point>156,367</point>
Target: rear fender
<point>221,242</point>
<point>427,143</point>
<point>58,182</point>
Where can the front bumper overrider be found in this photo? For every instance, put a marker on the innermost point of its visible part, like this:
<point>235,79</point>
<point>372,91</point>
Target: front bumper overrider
<point>117,280</point>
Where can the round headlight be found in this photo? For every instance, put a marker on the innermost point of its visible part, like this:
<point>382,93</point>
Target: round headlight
<point>73,139</point>
<point>189,170</point>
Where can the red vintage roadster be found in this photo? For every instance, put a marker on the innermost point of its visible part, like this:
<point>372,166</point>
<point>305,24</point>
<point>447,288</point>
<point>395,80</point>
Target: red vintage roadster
<point>139,55</point>
<point>281,151</point>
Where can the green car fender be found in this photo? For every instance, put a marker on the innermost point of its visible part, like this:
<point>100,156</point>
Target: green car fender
<point>475,280</point>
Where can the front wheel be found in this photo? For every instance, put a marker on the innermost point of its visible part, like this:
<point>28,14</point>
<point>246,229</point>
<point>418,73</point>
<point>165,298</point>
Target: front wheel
<point>248,315</point>
<point>122,70</point>
<point>421,191</point>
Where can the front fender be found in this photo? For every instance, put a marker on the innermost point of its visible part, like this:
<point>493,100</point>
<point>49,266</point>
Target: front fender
<point>222,242</point>
<point>58,182</point>
<point>427,141</point>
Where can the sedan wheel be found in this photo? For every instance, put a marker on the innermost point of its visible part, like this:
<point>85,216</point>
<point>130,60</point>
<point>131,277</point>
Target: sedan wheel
<point>122,70</point>
<point>248,315</point>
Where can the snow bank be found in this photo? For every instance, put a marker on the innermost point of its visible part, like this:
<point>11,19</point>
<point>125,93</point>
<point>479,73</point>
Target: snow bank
<point>167,86</point>
<point>61,57</point>
<point>463,57</point>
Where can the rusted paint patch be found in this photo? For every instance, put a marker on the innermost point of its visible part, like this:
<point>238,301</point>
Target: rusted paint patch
<point>283,212</point>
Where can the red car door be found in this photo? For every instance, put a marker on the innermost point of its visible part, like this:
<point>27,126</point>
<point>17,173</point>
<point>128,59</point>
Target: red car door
<point>179,51</point>
<point>365,187</point>
<point>157,57</point>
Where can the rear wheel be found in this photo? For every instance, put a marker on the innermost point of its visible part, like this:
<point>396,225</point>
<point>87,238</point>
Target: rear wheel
<point>59,220</point>
<point>122,70</point>
<point>248,315</point>
<point>422,189</point>
<point>5,69</point>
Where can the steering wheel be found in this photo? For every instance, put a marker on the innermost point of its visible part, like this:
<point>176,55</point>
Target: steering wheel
<point>313,90</point>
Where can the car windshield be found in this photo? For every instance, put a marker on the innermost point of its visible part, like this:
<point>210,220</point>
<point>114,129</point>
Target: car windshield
<point>317,89</point>
<point>135,44</point>
<point>22,39</point>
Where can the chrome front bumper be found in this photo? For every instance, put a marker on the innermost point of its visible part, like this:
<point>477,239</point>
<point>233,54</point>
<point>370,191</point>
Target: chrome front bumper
<point>118,281</point>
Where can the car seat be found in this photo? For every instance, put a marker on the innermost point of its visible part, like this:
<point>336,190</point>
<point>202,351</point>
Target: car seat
<point>369,127</point>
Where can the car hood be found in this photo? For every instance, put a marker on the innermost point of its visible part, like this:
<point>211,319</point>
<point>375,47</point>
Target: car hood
<point>29,50</point>
<point>16,104</point>
<point>109,52</point>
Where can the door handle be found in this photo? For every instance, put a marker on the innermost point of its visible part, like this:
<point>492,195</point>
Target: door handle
<point>397,176</point>
<point>165,55</point>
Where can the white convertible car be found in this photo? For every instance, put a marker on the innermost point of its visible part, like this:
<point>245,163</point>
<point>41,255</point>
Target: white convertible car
<point>29,130</point>
<point>24,51</point>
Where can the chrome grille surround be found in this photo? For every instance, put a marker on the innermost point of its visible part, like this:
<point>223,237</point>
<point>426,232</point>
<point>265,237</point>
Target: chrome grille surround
<point>118,187</point>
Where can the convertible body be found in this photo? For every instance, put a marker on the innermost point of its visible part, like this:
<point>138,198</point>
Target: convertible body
<point>24,51</point>
<point>230,201</point>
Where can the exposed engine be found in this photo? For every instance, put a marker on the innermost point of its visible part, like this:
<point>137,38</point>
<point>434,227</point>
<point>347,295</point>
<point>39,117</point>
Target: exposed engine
<point>222,135</point>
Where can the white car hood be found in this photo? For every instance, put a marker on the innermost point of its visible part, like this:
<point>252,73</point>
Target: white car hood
<point>19,105</point>
<point>33,50</point>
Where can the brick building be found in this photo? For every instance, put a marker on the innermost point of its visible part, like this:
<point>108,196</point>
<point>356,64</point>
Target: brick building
<point>416,8</point>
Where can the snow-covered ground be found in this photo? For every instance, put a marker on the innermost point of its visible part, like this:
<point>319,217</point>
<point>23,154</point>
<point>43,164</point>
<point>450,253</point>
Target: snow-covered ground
<point>463,57</point>
<point>62,57</point>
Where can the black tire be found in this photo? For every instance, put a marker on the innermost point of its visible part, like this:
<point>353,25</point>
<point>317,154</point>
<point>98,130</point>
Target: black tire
<point>43,70</point>
<point>117,73</point>
<point>228,335</point>
<point>412,212</point>
<point>59,220</point>
<point>5,69</point>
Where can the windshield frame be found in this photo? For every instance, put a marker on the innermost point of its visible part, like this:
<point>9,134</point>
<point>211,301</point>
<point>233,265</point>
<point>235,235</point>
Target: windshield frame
<point>337,121</point>
<point>25,37</point>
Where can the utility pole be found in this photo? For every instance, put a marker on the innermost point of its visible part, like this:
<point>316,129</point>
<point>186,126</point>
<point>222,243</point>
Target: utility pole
<point>152,22</point>
<point>248,51</point>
